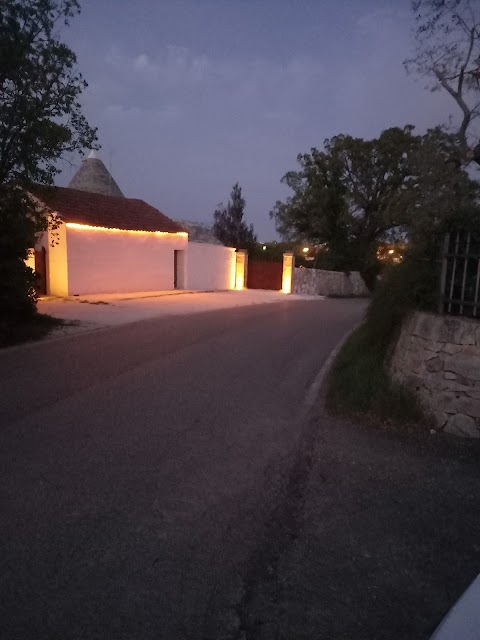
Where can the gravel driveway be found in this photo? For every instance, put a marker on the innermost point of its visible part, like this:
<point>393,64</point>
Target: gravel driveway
<point>115,309</point>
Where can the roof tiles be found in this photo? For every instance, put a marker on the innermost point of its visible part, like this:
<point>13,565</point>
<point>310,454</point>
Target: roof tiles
<point>82,207</point>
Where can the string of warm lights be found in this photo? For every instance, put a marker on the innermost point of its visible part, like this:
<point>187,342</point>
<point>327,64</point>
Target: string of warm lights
<point>88,227</point>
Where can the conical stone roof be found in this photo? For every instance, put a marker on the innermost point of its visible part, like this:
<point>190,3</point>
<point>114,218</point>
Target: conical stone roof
<point>94,177</point>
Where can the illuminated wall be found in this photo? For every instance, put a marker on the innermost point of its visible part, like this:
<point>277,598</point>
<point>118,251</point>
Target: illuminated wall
<point>241,270</point>
<point>30,261</point>
<point>57,264</point>
<point>287,274</point>
<point>209,267</point>
<point>233,271</point>
<point>116,261</point>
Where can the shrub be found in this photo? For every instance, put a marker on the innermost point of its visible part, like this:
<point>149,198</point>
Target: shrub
<point>360,381</point>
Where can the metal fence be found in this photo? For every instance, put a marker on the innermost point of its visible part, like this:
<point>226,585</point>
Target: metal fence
<point>461,274</point>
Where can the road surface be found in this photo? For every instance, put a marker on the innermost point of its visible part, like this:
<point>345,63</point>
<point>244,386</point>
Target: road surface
<point>142,468</point>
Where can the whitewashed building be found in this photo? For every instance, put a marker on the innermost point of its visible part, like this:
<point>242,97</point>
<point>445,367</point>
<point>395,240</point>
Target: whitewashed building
<point>107,243</point>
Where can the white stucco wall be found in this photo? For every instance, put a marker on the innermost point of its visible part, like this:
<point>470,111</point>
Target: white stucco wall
<point>30,261</point>
<point>210,267</point>
<point>120,262</point>
<point>57,263</point>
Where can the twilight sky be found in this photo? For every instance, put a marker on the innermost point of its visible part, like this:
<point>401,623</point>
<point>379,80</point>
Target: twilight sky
<point>192,95</point>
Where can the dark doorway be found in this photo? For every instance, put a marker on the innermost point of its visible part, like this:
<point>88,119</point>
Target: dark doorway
<point>41,272</point>
<point>175,269</point>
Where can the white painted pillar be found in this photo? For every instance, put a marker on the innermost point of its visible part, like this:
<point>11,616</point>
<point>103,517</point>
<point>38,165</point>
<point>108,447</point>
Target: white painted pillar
<point>287,272</point>
<point>241,269</point>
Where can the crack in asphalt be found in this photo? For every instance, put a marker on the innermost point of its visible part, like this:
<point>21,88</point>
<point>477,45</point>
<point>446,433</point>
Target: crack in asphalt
<point>257,610</point>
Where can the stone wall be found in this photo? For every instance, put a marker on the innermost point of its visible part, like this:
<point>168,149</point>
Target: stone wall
<point>316,282</point>
<point>439,358</point>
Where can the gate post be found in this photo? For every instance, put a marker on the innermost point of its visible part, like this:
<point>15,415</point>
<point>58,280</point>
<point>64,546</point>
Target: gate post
<point>443,276</point>
<point>287,272</point>
<point>241,269</point>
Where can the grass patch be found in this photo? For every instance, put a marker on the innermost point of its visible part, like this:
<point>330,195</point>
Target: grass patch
<point>35,329</point>
<point>360,384</point>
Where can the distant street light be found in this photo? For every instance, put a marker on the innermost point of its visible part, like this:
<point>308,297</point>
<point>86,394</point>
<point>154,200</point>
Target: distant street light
<point>305,249</point>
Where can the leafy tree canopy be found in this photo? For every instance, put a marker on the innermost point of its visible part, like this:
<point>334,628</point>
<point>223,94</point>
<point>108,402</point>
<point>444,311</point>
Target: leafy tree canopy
<point>269,251</point>
<point>229,226</point>
<point>40,121</point>
<point>40,113</point>
<point>354,192</point>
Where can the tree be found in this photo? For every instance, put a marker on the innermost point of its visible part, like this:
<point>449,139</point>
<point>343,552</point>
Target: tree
<point>229,226</point>
<point>40,121</point>
<point>354,192</point>
<point>269,251</point>
<point>447,50</point>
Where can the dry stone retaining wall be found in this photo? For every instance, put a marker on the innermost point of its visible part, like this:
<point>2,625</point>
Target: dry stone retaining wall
<point>317,282</point>
<point>439,358</point>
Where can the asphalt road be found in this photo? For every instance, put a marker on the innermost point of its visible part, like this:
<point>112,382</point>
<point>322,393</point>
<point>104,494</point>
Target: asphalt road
<point>142,467</point>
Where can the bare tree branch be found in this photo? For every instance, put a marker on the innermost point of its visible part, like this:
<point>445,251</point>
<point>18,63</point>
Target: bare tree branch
<point>467,114</point>
<point>448,49</point>
<point>465,64</point>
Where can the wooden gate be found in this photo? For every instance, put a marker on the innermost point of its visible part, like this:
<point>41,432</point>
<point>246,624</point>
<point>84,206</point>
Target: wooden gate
<point>41,272</point>
<point>264,275</point>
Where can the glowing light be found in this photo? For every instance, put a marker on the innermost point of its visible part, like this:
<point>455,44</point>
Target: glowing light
<point>287,284</point>
<point>305,249</point>
<point>57,263</point>
<point>391,251</point>
<point>30,261</point>
<point>241,259</point>
<point>287,272</point>
<point>233,269</point>
<point>264,248</point>
<point>88,227</point>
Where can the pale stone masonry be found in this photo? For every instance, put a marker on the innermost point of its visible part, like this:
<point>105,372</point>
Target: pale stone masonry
<point>318,282</point>
<point>94,177</point>
<point>439,358</point>
<point>199,232</point>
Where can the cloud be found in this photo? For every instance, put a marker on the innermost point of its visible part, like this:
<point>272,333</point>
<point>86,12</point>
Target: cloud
<point>203,100</point>
<point>172,116</point>
<point>173,65</point>
<point>380,20</point>
<point>195,82</point>
<point>141,62</point>
<point>121,113</point>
